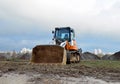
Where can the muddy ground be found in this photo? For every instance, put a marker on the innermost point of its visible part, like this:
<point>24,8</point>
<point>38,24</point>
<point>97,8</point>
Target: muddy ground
<point>71,70</point>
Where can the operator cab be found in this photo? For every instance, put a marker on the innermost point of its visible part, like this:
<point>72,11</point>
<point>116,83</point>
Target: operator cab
<point>64,33</point>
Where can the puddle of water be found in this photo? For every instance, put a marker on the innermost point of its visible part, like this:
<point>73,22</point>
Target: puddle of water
<point>48,79</point>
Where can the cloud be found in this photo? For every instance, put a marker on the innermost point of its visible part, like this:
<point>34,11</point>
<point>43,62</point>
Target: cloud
<point>26,50</point>
<point>12,44</point>
<point>94,15</point>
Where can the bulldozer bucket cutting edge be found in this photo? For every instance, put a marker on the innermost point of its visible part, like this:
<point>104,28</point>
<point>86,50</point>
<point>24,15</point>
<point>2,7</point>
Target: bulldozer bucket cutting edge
<point>49,54</point>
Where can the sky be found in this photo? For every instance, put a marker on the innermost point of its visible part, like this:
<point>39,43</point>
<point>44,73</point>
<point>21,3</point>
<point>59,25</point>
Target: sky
<point>26,23</point>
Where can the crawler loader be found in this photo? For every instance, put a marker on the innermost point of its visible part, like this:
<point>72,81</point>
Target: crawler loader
<point>63,50</point>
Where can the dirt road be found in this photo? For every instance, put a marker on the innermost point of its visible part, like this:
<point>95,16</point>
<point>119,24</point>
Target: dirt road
<point>72,70</point>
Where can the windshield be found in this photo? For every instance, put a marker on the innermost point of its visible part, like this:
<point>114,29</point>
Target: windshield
<point>62,34</point>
